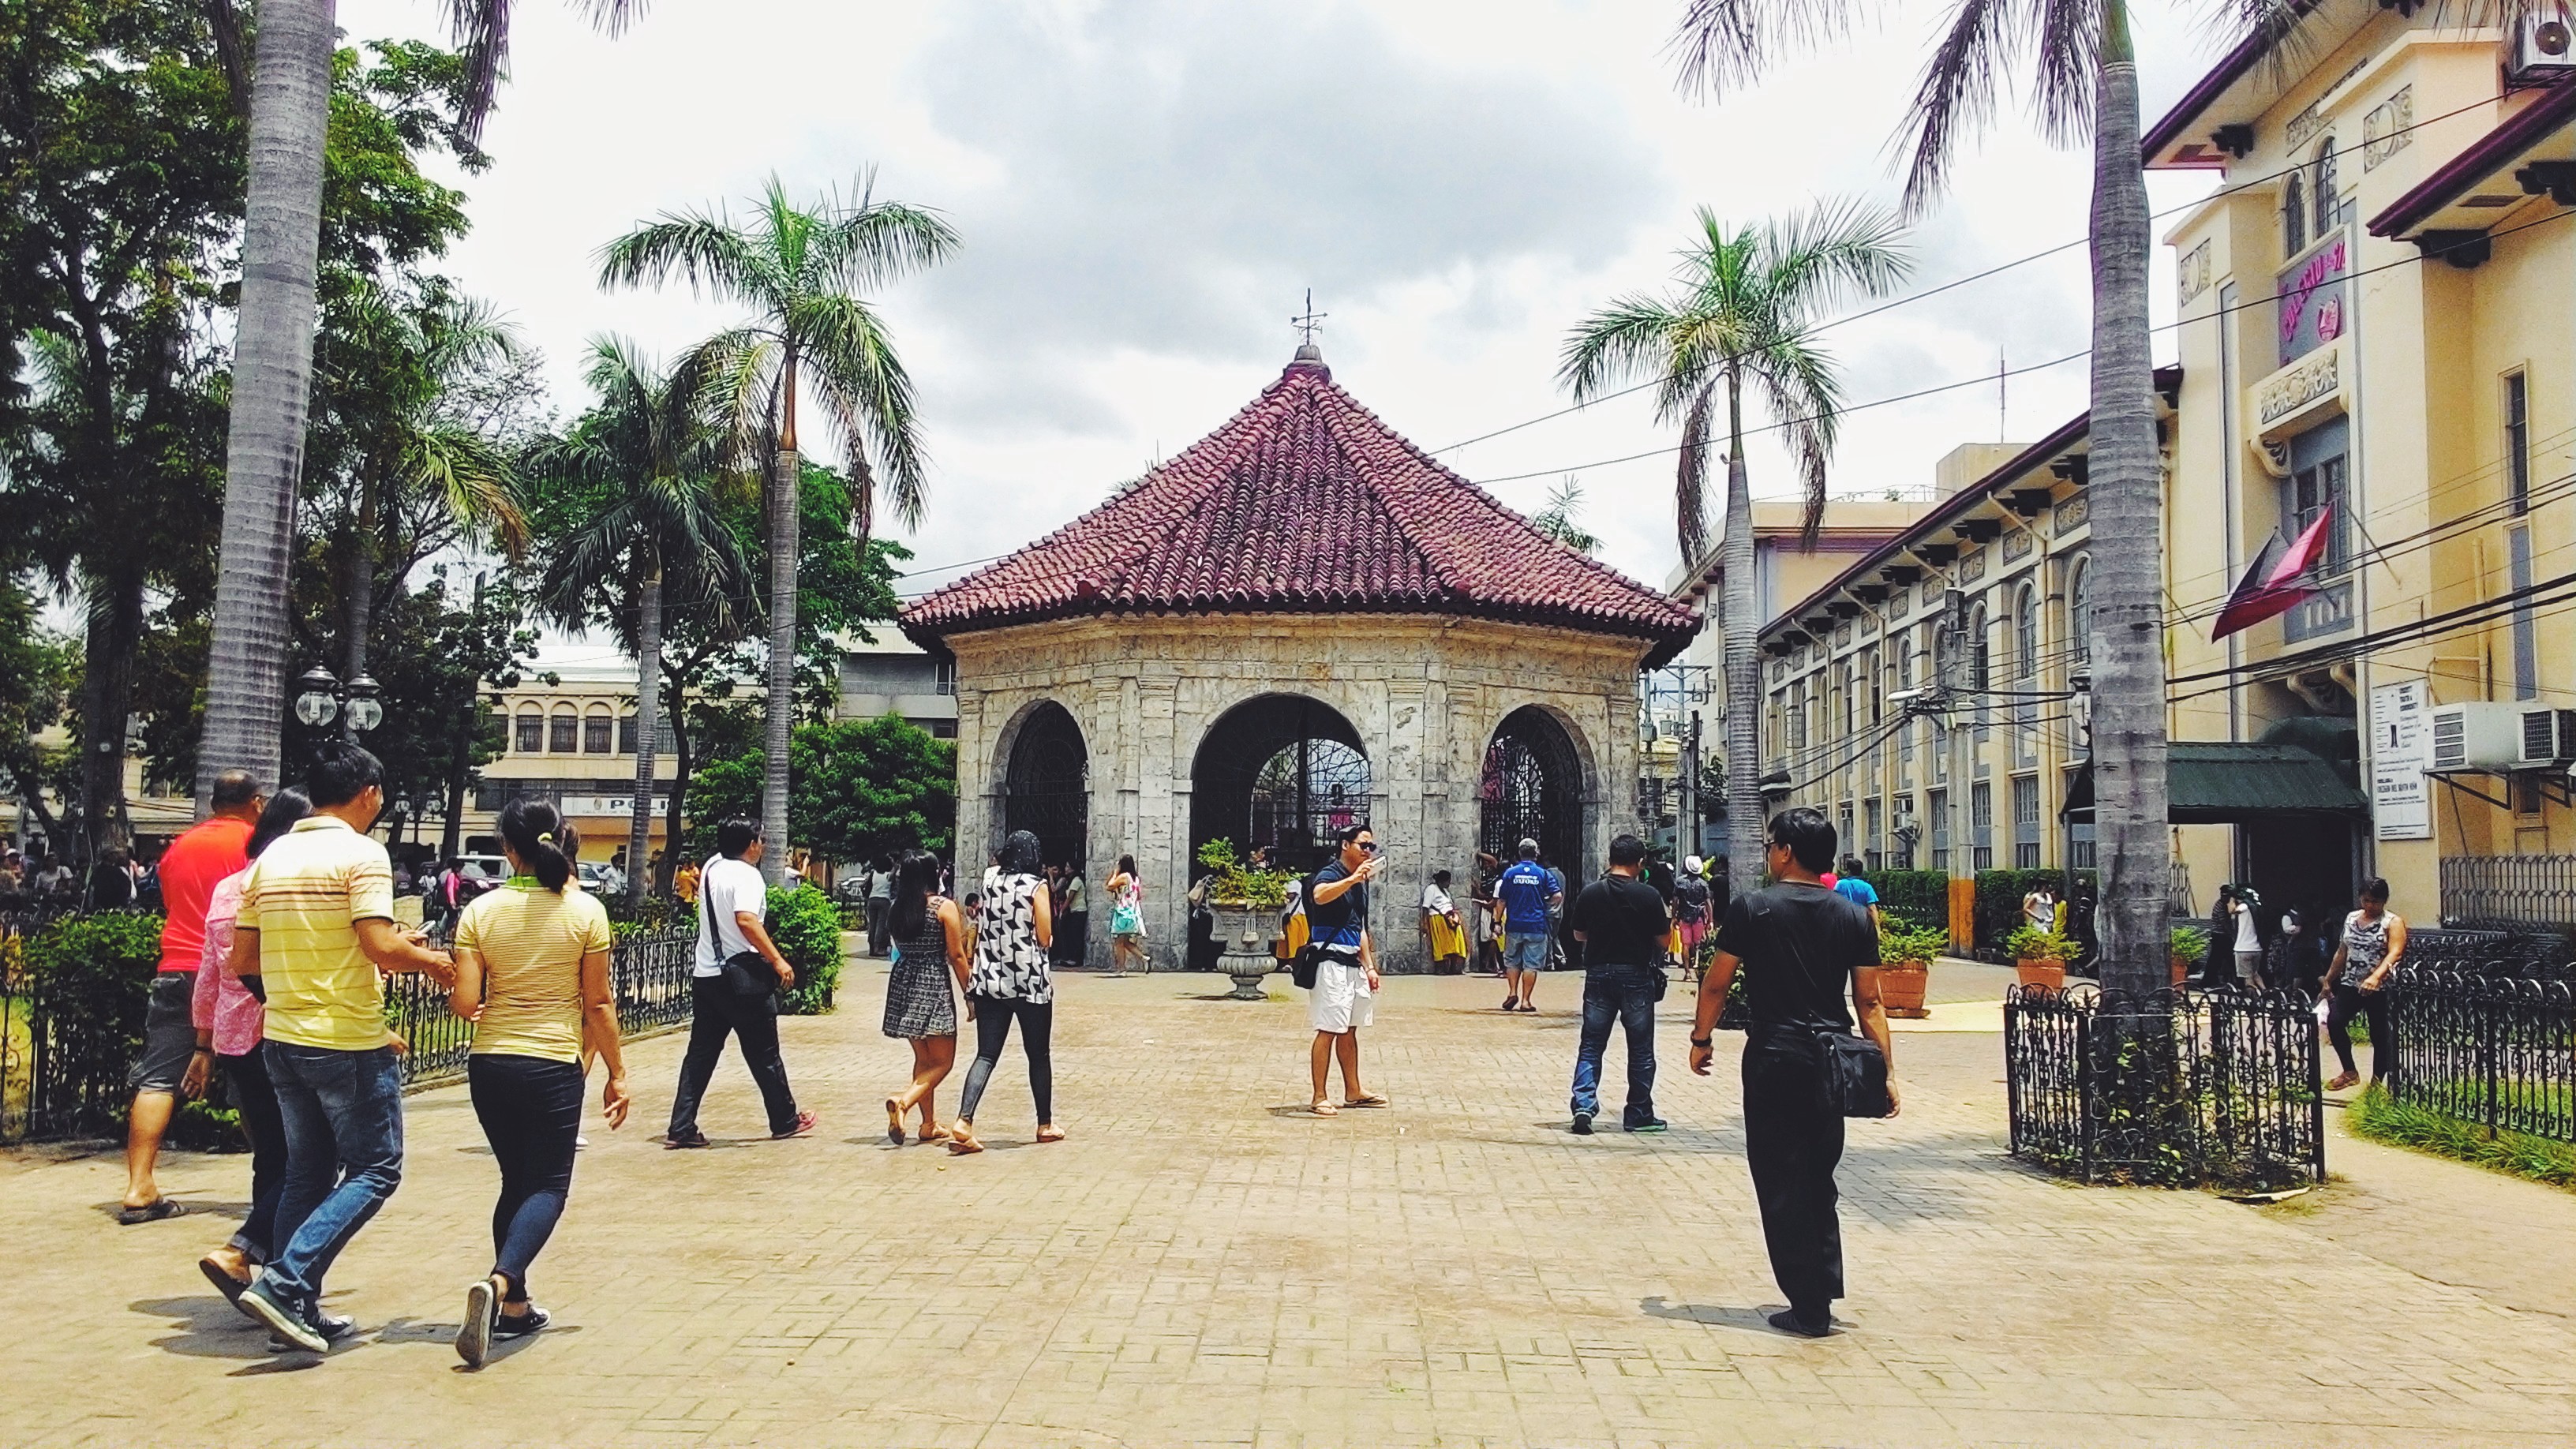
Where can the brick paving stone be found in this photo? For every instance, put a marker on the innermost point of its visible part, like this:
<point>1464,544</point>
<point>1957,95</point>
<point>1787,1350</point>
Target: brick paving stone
<point>1203,1263</point>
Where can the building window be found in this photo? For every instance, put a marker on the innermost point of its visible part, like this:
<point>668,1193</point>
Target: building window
<point>2079,844</point>
<point>2526,639</point>
<point>1981,824</point>
<point>1877,695</point>
<point>2319,482</point>
<point>564,733</point>
<point>2294,215</point>
<point>2079,609</point>
<point>1798,715</point>
<point>1937,805</point>
<point>2025,807</point>
<point>532,733</point>
<point>1873,815</point>
<point>946,672</point>
<point>626,734</point>
<point>596,734</point>
<point>1850,840</point>
<point>2517,440</point>
<point>2324,199</point>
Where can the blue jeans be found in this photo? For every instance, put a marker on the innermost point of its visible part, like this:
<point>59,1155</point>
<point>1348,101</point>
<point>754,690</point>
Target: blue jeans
<point>1628,994</point>
<point>344,1151</point>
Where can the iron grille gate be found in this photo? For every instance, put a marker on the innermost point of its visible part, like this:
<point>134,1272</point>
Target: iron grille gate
<point>1048,789</point>
<point>1533,790</point>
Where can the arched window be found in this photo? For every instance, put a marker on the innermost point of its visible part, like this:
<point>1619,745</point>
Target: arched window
<point>1798,715</point>
<point>2079,609</point>
<point>1877,687</point>
<point>563,732</point>
<point>1980,656</point>
<point>532,732</point>
<point>598,731</point>
<point>2294,216</point>
<point>1849,704</point>
<point>2322,192</point>
<point>2026,634</point>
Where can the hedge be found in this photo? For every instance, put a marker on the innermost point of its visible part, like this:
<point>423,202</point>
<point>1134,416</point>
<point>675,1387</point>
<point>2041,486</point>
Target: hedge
<point>807,928</point>
<point>1999,894</point>
<point>1920,897</point>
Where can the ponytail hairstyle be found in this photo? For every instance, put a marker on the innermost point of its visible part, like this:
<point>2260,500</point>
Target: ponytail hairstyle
<point>532,828</point>
<point>916,881</point>
<point>278,817</point>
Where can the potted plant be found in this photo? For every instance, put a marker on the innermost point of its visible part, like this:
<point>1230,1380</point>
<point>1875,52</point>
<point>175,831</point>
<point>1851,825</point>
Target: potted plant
<point>2190,946</point>
<point>1905,957</point>
<point>1246,904</point>
<point>2040,957</point>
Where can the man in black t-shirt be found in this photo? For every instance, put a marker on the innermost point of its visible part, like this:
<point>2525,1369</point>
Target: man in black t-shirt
<point>1799,946</point>
<point>1624,930</point>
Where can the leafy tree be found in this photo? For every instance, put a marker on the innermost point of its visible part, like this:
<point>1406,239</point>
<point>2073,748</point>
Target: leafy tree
<point>37,671</point>
<point>1744,314</point>
<point>1557,520</point>
<point>801,271</point>
<point>860,788</point>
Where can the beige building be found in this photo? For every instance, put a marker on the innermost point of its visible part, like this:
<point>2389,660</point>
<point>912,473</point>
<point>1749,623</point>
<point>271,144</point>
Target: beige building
<point>572,744</point>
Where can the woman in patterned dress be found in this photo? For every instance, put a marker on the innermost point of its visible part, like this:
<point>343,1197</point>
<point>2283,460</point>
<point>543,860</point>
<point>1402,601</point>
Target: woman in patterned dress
<point>929,934</point>
<point>1011,981</point>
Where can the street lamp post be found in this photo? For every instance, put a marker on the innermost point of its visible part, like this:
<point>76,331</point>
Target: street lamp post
<point>320,699</point>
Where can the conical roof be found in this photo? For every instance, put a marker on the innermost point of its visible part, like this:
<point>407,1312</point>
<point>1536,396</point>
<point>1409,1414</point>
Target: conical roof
<point>1304,502</point>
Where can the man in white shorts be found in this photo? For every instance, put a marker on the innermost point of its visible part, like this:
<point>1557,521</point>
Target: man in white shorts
<point>1345,993</point>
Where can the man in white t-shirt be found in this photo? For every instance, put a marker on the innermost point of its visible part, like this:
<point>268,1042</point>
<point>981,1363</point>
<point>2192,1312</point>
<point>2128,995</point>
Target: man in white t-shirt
<point>732,903</point>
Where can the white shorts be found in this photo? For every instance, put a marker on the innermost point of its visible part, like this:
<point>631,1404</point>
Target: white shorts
<point>1341,999</point>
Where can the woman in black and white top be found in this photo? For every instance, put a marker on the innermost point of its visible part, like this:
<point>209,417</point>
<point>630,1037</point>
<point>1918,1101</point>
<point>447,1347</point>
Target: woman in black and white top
<point>2356,981</point>
<point>1011,981</point>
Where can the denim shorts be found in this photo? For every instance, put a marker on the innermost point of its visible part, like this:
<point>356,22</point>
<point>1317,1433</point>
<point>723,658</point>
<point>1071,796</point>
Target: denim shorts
<point>169,1035</point>
<point>1525,953</point>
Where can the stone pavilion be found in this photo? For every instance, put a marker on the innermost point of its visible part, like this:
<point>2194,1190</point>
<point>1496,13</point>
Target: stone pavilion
<point>1299,622</point>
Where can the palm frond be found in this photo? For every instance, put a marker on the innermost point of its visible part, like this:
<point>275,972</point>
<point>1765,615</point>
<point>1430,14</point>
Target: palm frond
<point>712,256</point>
<point>730,382</point>
<point>1802,390</point>
<point>1829,253</point>
<point>874,242</point>
<point>856,376</point>
<point>1627,341</point>
<point>1721,44</point>
<point>1690,477</point>
<point>2068,59</point>
<point>1958,90</point>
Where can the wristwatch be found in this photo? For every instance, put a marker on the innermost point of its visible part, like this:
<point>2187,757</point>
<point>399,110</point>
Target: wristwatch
<point>1707,1042</point>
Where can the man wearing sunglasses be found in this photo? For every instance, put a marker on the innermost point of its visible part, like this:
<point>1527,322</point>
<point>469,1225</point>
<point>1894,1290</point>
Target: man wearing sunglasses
<point>1346,980</point>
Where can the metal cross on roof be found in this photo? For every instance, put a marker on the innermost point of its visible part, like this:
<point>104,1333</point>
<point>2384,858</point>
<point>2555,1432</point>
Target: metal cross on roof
<point>1305,324</point>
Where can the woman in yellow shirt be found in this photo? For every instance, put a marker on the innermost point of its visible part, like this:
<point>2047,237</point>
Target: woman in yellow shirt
<point>532,962</point>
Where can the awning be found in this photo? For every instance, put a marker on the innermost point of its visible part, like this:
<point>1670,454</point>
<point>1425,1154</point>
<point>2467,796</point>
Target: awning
<point>2223,783</point>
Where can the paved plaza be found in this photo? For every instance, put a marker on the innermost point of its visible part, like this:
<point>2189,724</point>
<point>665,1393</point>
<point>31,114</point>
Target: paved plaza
<point>1204,1263</point>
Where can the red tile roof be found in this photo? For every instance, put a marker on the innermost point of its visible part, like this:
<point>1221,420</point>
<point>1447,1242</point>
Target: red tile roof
<point>1304,502</point>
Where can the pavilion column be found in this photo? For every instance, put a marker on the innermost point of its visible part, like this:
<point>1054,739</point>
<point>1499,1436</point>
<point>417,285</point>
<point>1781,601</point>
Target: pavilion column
<point>1407,834</point>
<point>1161,851</point>
<point>977,803</point>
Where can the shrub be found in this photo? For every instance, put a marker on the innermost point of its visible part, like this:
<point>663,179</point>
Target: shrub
<point>1999,894</point>
<point>2028,943</point>
<point>1238,885</point>
<point>1920,898</point>
<point>2191,944</point>
<point>807,929</point>
<point>1898,942</point>
<point>2382,1118</point>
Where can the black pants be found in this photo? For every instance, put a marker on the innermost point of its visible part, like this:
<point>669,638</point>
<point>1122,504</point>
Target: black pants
<point>530,1109</point>
<point>246,1085</point>
<point>1073,939</point>
<point>993,1017</point>
<point>1793,1142</point>
<point>2347,1001</point>
<point>713,1013</point>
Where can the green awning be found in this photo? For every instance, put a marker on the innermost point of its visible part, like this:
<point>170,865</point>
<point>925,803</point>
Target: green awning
<point>2216,782</point>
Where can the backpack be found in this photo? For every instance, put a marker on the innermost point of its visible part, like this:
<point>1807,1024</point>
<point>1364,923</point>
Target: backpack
<point>1690,900</point>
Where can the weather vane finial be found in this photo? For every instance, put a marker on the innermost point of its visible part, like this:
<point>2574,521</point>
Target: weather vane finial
<point>1305,323</point>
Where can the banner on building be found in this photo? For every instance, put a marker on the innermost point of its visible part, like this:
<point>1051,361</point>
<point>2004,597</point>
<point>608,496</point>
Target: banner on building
<point>2401,743</point>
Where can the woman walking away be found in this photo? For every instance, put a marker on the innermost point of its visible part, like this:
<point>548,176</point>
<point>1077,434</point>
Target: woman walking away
<point>930,953</point>
<point>532,963</point>
<point>2357,980</point>
<point>1126,918</point>
<point>230,1025</point>
<point>1012,980</point>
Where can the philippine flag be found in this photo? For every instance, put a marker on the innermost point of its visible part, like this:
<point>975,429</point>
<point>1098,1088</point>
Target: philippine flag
<point>2277,582</point>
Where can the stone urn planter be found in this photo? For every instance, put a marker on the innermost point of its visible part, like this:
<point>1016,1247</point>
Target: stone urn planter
<point>1901,985</point>
<point>1246,934</point>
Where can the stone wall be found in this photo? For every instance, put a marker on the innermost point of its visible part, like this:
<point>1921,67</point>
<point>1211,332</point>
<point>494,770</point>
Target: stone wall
<point>1424,695</point>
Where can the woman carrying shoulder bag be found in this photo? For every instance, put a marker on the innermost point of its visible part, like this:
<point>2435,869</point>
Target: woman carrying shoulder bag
<point>532,974</point>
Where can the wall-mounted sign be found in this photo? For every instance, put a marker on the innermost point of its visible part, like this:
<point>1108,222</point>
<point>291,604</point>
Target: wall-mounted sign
<point>2401,742</point>
<point>2311,300</point>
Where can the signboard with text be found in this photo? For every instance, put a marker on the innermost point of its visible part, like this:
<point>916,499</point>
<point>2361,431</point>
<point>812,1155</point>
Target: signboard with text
<point>2401,742</point>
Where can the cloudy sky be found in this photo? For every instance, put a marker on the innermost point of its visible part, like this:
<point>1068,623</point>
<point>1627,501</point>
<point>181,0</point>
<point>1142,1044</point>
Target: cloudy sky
<point>1146,189</point>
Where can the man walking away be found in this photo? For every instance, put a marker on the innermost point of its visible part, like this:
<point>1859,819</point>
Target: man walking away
<point>732,902</point>
<point>190,870</point>
<point>1346,979</point>
<point>1621,923</point>
<point>1530,896</point>
<point>1861,893</point>
<point>880,905</point>
<point>316,931</point>
<point>1799,946</point>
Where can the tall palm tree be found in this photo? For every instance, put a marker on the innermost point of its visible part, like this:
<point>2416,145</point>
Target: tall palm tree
<point>649,540</point>
<point>801,271</point>
<point>2085,84</point>
<point>1745,313</point>
<point>290,114</point>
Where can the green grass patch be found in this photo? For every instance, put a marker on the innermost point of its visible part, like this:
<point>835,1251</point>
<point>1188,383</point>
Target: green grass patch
<point>2382,1118</point>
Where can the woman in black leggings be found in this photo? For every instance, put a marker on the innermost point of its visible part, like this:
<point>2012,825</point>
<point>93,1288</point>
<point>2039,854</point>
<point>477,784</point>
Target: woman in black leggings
<point>2374,937</point>
<point>1011,981</point>
<point>532,964</point>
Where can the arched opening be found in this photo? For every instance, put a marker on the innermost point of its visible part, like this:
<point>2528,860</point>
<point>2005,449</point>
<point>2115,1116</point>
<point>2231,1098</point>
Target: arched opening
<point>1533,790</point>
<point>1281,773</point>
<point>1047,787</point>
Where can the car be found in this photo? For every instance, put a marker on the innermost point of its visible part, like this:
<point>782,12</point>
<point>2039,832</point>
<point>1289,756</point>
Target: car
<point>591,873</point>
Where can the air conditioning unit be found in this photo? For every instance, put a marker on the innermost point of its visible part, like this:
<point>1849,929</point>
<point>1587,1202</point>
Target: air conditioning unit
<point>2544,46</point>
<point>2499,738</point>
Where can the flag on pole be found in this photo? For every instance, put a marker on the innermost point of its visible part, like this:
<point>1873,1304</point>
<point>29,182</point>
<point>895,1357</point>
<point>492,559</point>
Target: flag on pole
<point>2278,580</point>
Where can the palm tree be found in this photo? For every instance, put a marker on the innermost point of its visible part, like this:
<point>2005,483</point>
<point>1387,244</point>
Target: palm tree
<point>1745,313</point>
<point>801,272</point>
<point>1560,519</point>
<point>648,540</point>
<point>2086,84</point>
<point>290,114</point>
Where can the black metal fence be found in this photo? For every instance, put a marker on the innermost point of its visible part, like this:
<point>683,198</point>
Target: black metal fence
<point>2489,1048</point>
<point>2178,1089</point>
<point>66,1044</point>
<point>2509,890</point>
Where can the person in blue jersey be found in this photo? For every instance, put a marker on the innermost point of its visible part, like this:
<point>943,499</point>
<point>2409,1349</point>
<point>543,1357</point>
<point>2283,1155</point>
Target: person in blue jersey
<point>1530,895</point>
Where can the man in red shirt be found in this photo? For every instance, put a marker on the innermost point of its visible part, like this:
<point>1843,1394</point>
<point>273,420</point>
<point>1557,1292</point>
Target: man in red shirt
<point>191,868</point>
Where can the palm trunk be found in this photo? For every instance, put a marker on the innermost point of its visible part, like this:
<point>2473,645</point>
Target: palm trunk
<point>115,628</point>
<point>272,373</point>
<point>2129,788</point>
<point>683,765</point>
<point>780,720</point>
<point>1739,626</point>
<point>648,707</point>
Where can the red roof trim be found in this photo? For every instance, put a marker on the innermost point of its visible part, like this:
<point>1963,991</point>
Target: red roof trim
<point>2231,68</point>
<point>2484,157</point>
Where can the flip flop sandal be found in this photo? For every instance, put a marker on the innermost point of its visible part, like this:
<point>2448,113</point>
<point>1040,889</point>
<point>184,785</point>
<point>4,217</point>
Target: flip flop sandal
<point>1371,1100</point>
<point>894,1123</point>
<point>1324,1109</point>
<point>152,1212</point>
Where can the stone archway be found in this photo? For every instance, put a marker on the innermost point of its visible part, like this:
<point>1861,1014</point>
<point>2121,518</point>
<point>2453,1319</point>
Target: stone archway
<point>1531,788</point>
<point>1046,787</point>
<point>1282,772</point>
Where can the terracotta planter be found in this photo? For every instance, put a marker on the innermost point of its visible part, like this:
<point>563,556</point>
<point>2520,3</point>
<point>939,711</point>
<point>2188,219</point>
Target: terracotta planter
<point>1901,987</point>
<point>2181,969</point>
<point>2041,975</point>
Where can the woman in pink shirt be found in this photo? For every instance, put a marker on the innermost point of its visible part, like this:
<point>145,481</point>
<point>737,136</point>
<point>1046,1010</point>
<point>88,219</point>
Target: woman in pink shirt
<point>229,1021</point>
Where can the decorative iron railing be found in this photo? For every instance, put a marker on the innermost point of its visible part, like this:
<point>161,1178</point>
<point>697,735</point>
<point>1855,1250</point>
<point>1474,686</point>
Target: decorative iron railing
<point>2488,1049</point>
<point>2177,1089</point>
<point>2509,890</point>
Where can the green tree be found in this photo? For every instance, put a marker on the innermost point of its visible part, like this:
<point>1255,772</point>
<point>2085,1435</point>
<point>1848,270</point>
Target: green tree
<point>1559,520</point>
<point>802,272</point>
<point>294,122</point>
<point>862,788</point>
<point>640,543</point>
<point>37,670</point>
<point>1744,314</point>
